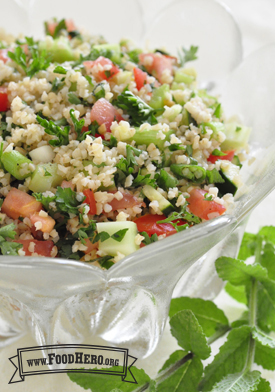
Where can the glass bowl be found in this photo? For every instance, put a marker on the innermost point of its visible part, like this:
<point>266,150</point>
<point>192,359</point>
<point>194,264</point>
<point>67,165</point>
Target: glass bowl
<point>63,301</point>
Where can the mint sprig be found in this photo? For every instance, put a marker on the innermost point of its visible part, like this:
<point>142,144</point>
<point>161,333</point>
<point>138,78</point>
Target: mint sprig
<point>197,323</point>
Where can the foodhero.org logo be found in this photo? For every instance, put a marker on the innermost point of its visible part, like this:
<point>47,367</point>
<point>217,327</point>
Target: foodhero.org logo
<point>66,358</point>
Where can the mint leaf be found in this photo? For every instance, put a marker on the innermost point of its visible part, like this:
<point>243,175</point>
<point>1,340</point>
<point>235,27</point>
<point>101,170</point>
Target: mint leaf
<point>265,349</point>
<point>237,272</point>
<point>263,386</point>
<point>189,334</point>
<point>174,357</point>
<point>236,292</point>
<point>231,358</point>
<point>95,381</point>
<point>239,382</point>
<point>268,232</point>
<point>209,316</point>
<point>248,246</point>
<point>184,379</point>
<point>267,259</point>
<point>266,306</point>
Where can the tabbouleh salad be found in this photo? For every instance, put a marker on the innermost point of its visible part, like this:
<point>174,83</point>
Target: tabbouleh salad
<point>107,148</point>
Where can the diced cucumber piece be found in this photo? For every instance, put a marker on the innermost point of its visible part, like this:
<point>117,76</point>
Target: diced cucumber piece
<point>159,97</point>
<point>111,246</point>
<point>193,173</point>
<point>166,180</point>
<point>216,126</point>
<point>16,164</point>
<point>152,194</point>
<point>123,77</point>
<point>150,136</point>
<point>45,177</point>
<point>178,86</point>
<point>59,49</point>
<point>113,48</point>
<point>229,185</point>
<point>186,117</point>
<point>236,136</point>
<point>185,75</point>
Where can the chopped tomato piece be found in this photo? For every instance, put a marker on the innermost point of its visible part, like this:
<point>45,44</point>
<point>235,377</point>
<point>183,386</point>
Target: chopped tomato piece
<point>103,112</point>
<point>90,199</point>
<point>156,64</point>
<point>104,68</point>
<point>4,101</point>
<point>90,246</point>
<point>69,25</point>
<point>204,209</point>
<point>140,78</point>
<point>148,223</point>
<point>228,157</point>
<point>47,222</point>
<point>4,55</point>
<point>67,184</point>
<point>42,248</point>
<point>128,201</point>
<point>18,203</point>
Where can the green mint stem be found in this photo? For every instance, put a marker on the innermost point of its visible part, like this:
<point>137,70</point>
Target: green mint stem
<point>253,306</point>
<point>218,334</point>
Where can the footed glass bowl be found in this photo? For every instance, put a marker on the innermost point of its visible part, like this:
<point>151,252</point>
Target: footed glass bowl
<point>63,301</point>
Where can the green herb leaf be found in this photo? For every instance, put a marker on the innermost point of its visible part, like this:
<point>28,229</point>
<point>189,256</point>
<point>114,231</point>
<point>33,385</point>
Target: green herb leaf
<point>73,99</point>
<point>214,177</point>
<point>52,129</point>
<point>149,240</point>
<point>10,248</point>
<point>57,84</point>
<point>60,26</point>
<point>174,357</point>
<point>209,316</point>
<point>95,381</point>
<point>8,231</point>
<point>266,306</point>
<point>78,125</point>
<point>189,334</point>
<point>186,55</point>
<point>239,382</point>
<point>184,379</point>
<point>105,261</point>
<point>265,349</point>
<point>218,111</point>
<point>231,358</point>
<point>166,180</point>
<point>263,386</point>
<point>248,246</point>
<point>99,91</point>
<point>267,259</point>
<point>218,153</point>
<point>60,70</point>
<point>268,232</point>
<point>141,180</point>
<point>119,235</point>
<point>237,272</point>
<point>236,292</point>
<point>45,200</point>
<point>66,201</point>
<point>136,108</point>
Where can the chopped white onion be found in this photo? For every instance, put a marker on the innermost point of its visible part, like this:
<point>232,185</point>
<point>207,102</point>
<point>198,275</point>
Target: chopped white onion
<point>43,154</point>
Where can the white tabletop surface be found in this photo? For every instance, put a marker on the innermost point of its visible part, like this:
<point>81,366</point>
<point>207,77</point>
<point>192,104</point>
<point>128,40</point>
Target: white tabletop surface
<point>256,20</point>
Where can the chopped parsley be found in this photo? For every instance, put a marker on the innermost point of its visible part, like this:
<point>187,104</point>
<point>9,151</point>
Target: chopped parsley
<point>214,177</point>
<point>136,108</point>
<point>52,129</point>
<point>103,236</point>
<point>7,247</point>
<point>218,153</point>
<point>78,126</point>
<point>99,91</point>
<point>208,197</point>
<point>37,60</point>
<point>186,55</point>
<point>57,84</point>
<point>60,70</point>
<point>148,240</point>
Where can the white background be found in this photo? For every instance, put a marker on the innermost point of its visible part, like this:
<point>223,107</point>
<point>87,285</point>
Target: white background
<point>257,22</point>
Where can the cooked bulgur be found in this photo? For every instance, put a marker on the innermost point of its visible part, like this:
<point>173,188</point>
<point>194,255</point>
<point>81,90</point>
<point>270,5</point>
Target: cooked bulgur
<point>105,148</point>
